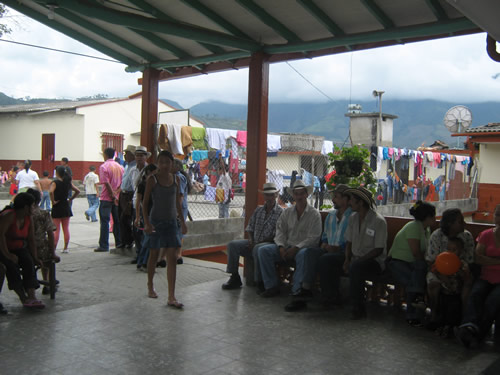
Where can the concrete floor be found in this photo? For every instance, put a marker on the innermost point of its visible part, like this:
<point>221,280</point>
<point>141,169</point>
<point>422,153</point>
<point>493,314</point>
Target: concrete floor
<point>102,322</point>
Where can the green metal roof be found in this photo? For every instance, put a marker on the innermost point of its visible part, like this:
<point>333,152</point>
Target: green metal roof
<point>189,37</point>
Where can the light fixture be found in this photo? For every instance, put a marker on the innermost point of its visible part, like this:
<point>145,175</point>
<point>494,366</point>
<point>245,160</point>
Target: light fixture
<point>51,5</point>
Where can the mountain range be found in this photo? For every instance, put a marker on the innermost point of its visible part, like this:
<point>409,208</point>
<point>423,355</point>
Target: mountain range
<point>419,121</point>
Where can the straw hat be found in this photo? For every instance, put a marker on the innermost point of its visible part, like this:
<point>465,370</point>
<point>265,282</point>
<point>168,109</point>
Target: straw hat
<point>340,189</point>
<point>142,150</point>
<point>363,194</point>
<point>130,149</point>
<point>299,184</point>
<point>269,188</point>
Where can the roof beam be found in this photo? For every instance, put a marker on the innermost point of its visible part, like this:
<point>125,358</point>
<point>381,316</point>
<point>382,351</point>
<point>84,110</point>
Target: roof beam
<point>269,20</point>
<point>162,43</point>
<point>182,30</point>
<point>189,62</point>
<point>216,18</point>
<point>378,13</point>
<point>435,28</point>
<point>105,34</point>
<point>321,17</point>
<point>14,4</point>
<point>155,12</point>
<point>437,9</point>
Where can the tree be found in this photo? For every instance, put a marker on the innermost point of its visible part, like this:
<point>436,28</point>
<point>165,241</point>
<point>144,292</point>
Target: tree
<point>4,29</point>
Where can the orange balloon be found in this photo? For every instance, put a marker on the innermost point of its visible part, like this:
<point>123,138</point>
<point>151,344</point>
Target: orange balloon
<point>448,263</point>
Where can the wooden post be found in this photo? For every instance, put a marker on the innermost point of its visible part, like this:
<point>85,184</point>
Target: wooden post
<point>149,114</point>
<point>258,102</point>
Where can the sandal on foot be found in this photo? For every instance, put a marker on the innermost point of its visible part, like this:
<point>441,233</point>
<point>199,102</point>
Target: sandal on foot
<point>152,294</point>
<point>33,304</point>
<point>175,304</point>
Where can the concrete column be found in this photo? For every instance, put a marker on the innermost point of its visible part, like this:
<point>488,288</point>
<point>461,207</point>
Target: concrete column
<point>149,113</point>
<point>258,102</point>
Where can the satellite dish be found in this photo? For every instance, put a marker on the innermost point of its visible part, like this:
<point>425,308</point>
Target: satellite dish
<point>457,118</point>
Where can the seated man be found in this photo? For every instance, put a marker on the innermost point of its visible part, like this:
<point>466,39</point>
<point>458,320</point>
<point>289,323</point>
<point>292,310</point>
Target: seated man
<point>330,255</point>
<point>366,238</point>
<point>261,230</point>
<point>298,227</point>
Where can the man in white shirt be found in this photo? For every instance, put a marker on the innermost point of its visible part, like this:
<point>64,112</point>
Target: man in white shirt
<point>366,243</point>
<point>91,181</point>
<point>298,227</point>
<point>226,184</point>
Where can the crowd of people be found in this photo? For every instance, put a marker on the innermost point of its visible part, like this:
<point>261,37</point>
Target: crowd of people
<point>353,243</point>
<point>146,206</point>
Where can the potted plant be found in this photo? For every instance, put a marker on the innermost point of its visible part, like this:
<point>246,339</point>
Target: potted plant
<point>352,167</point>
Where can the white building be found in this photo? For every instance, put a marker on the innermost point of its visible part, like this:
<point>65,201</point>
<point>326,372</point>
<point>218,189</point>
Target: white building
<point>78,130</point>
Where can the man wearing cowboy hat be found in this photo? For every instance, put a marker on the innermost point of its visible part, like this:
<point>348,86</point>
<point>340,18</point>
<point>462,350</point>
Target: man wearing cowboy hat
<point>125,200</point>
<point>141,155</point>
<point>366,238</point>
<point>261,230</point>
<point>298,227</point>
<point>332,247</point>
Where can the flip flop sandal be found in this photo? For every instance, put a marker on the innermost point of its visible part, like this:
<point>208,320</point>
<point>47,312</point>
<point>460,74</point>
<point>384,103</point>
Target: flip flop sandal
<point>175,304</point>
<point>152,294</point>
<point>33,304</point>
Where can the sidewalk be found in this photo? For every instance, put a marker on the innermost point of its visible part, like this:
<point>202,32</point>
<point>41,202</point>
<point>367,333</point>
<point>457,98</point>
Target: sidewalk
<point>102,322</point>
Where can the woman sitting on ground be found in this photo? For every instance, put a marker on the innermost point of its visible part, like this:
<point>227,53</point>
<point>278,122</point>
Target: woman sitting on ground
<point>408,265</point>
<point>452,225</point>
<point>44,236</point>
<point>483,306</point>
<point>18,250</point>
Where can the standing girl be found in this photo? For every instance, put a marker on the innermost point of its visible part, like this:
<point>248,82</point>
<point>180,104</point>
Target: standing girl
<point>161,223</point>
<point>61,209</point>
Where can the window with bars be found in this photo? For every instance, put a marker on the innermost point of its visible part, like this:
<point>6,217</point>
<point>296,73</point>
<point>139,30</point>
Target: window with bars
<point>112,140</point>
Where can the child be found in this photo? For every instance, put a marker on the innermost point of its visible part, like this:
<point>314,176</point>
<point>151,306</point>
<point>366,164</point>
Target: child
<point>454,287</point>
<point>161,223</point>
<point>45,185</point>
<point>44,236</point>
<point>143,252</point>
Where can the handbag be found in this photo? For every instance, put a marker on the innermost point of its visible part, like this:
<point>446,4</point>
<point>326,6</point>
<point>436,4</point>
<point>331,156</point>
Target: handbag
<point>219,195</point>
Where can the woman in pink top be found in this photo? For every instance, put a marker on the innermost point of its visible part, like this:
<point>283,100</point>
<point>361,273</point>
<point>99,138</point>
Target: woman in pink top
<point>483,306</point>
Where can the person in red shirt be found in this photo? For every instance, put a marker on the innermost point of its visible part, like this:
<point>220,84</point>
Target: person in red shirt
<point>18,250</point>
<point>483,306</point>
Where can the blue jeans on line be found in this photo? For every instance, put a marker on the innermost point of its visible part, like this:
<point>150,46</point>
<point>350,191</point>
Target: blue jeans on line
<point>93,206</point>
<point>45,202</point>
<point>412,276</point>
<point>106,210</point>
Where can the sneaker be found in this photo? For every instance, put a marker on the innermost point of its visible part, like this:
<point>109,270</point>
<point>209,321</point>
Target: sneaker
<point>87,216</point>
<point>65,251</point>
<point>234,282</point>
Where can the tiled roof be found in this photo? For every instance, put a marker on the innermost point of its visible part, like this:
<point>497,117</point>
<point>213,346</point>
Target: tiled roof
<point>490,128</point>
<point>49,107</point>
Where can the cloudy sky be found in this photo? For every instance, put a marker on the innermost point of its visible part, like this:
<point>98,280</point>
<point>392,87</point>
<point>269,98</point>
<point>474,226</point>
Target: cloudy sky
<point>454,69</point>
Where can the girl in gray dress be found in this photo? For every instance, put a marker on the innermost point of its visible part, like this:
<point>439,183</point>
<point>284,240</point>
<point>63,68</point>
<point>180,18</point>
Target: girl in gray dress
<point>164,223</point>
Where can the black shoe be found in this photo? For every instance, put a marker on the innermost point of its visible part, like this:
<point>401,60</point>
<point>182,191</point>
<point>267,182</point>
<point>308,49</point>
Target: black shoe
<point>180,261</point>
<point>99,250</point>
<point>303,293</point>
<point>260,287</point>
<point>161,263</point>
<point>271,292</point>
<point>358,314</point>
<point>466,335</point>
<point>129,246</point>
<point>45,290</point>
<point>120,246</point>
<point>234,282</point>
<point>296,306</point>
<point>133,261</point>
<point>2,310</point>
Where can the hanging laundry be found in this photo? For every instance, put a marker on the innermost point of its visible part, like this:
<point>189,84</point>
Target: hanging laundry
<point>327,147</point>
<point>210,193</point>
<point>187,140</point>
<point>198,137</point>
<point>241,138</point>
<point>273,142</point>
<point>199,155</point>
<point>276,176</point>
<point>175,139</point>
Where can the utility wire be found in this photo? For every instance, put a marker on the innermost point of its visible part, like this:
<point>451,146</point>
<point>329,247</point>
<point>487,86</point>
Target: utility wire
<point>60,50</point>
<point>305,79</point>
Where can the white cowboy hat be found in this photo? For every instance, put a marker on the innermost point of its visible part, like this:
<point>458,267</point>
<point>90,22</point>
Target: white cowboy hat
<point>269,188</point>
<point>142,150</point>
<point>299,184</point>
<point>130,149</point>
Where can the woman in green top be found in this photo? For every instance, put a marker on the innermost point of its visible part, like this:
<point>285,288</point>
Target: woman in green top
<point>407,262</point>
